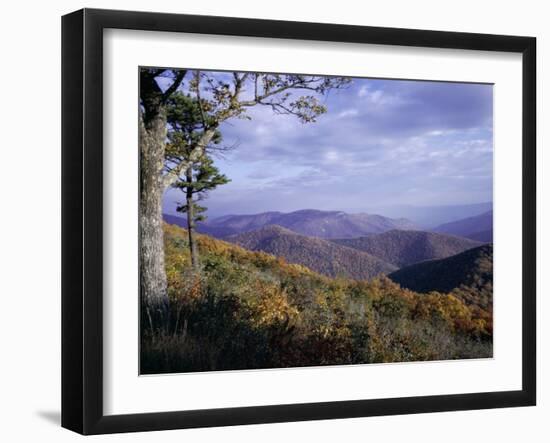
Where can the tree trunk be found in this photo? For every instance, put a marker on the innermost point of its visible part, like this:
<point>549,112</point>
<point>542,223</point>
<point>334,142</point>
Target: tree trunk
<point>152,145</point>
<point>191,220</point>
<point>153,283</point>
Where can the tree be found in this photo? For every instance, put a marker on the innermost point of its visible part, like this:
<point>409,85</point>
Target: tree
<point>200,178</point>
<point>185,122</point>
<point>219,98</point>
<point>152,141</point>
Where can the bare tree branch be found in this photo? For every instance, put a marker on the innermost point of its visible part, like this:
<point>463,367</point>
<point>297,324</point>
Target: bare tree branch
<point>294,85</point>
<point>224,104</point>
<point>199,99</point>
<point>175,84</point>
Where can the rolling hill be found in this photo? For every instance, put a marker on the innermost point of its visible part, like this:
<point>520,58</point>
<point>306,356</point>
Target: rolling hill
<point>403,248</point>
<point>310,222</point>
<point>468,274</point>
<point>320,255</point>
<point>478,228</point>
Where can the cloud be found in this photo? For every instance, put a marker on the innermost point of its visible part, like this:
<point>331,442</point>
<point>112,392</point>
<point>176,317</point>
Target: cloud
<point>260,175</point>
<point>379,140</point>
<point>363,91</point>
<point>331,156</point>
<point>348,113</point>
<point>379,97</point>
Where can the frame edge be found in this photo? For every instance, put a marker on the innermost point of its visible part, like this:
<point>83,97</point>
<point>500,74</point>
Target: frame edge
<point>529,220</point>
<point>72,220</point>
<point>82,194</point>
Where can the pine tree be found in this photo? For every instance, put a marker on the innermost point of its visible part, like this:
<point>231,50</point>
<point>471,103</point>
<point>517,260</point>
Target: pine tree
<point>200,178</point>
<point>185,120</point>
<point>214,100</point>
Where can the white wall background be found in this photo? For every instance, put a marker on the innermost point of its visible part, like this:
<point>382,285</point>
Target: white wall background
<point>30,221</point>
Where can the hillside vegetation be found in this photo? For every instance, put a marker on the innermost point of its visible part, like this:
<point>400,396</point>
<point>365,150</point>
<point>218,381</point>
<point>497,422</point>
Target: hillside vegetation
<point>403,248</point>
<point>468,276</point>
<point>320,255</point>
<point>252,310</point>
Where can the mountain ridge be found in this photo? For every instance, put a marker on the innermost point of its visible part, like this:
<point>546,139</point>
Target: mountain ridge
<point>403,248</point>
<point>318,254</point>
<point>479,227</point>
<point>469,275</point>
<point>309,222</point>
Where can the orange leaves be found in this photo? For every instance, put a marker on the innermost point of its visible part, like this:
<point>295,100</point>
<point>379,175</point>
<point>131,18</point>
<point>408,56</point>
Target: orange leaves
<point>457,315</point>
<point>271,305</point>
<point>250,309</point>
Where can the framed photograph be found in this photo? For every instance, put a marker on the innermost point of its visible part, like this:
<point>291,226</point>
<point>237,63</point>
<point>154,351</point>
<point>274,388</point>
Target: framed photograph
<point>269,221</point>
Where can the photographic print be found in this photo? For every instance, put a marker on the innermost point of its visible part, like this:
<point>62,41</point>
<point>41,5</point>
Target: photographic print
<point>296,220</point>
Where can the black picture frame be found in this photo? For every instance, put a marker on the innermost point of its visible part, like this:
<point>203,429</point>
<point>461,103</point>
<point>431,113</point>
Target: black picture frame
<point>82,215</point>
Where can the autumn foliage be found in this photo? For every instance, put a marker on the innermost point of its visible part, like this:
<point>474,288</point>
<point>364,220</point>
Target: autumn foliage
<point>253,310</point>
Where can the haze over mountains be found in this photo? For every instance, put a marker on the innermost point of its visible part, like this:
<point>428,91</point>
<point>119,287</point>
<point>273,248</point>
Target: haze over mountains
<point>427,217</point>
<point>310,222</point>
<point>362,246</point>
<point>479,227</point>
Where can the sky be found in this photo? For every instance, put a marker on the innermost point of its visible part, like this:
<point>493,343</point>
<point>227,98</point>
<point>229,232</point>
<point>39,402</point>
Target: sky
<point>382,143</point>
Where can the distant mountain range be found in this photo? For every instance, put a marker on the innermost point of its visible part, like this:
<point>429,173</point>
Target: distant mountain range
<point>479,227</point>
<point>470,271</point>
<point>418,260</point>
<point>427,217</point>
<point>309,222</point>
<point>457,259</point>
<point>403,248</point>
<point>320,255</point>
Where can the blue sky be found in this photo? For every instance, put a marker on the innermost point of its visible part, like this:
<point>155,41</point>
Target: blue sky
<point>381,143</point>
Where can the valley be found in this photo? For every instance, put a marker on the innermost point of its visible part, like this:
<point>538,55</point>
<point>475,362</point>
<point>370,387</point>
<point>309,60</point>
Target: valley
<point>337,244</point>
